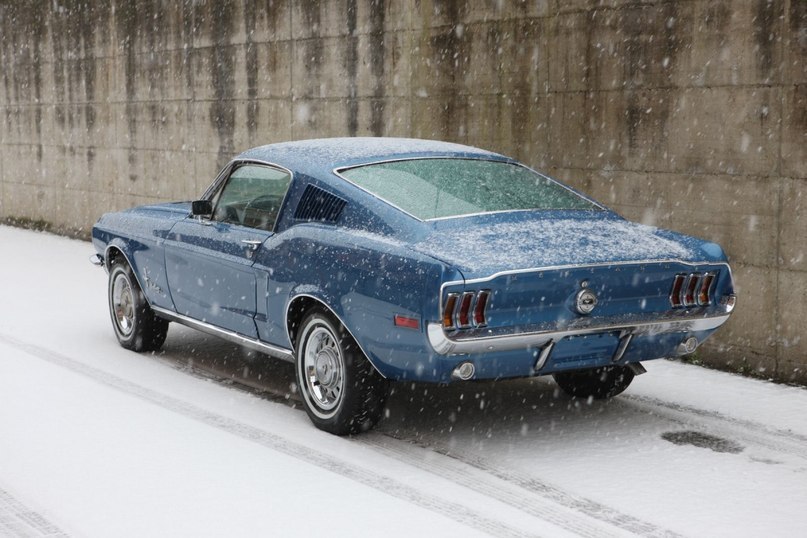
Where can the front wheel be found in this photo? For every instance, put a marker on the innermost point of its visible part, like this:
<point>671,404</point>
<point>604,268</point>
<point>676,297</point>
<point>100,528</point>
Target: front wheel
<point>341,390</point>
<point>136,325</point>
<point>597,383</point>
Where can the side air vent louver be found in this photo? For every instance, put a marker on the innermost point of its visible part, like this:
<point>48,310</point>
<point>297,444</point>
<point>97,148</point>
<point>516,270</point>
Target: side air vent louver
<point>317,204</point>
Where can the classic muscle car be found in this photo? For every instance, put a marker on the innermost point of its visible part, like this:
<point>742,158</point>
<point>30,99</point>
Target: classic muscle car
<point>365,260</point>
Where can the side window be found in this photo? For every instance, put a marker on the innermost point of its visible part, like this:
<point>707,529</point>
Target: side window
<point>252,196</point>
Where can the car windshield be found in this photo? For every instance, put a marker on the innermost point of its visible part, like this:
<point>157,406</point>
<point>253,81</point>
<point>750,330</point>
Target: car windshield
<point>439,188</point>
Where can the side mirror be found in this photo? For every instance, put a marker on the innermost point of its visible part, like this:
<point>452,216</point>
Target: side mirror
<point>201,208</point>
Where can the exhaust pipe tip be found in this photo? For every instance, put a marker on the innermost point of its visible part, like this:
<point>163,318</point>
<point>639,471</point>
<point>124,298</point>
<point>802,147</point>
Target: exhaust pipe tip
<point>688,346</point>
<point>464,371</point>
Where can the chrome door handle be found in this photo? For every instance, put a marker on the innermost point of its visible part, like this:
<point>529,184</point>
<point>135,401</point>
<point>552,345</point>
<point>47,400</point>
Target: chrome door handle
<point>252,243</point>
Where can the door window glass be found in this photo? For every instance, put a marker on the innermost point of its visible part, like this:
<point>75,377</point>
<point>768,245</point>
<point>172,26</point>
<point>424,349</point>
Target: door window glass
<point>252,196</point>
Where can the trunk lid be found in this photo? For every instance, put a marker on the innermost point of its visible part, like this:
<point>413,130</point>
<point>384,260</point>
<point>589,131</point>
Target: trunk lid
<point>488,244</point>
<point>531,269</point>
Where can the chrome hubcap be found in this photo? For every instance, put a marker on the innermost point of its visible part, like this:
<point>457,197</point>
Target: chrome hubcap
<point>323,367</point>
<point>123,304</point>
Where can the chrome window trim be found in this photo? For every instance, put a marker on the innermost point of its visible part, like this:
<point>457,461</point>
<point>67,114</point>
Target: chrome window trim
<point>501,211</point>
<point>338,172</point>
<point>257,345</point>
<point>225,173</point>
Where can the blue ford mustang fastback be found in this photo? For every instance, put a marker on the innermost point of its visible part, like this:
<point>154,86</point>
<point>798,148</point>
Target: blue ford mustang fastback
<point>365,260</point>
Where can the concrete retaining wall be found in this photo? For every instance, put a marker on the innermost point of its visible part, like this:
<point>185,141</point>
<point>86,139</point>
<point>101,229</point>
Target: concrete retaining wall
<point>688,114</point>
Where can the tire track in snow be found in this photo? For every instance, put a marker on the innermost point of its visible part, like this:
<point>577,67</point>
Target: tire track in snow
<point>747,431</point>
<point>449,509</point>
<point>19,521</point>
<point>529,495</point>
<point>523,492</point>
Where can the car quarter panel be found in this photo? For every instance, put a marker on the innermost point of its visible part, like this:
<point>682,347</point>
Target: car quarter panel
<point>365,279</point>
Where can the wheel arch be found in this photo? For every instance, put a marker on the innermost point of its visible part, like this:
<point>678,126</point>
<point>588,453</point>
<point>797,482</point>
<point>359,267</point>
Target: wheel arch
<point>117,252</point>
<point>300,304</point>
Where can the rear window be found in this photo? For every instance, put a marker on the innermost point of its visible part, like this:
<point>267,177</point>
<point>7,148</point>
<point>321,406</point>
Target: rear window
<point>439,188</point>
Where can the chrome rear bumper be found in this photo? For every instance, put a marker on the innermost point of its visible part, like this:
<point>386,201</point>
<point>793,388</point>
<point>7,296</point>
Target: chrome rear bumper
<point>480,342</point>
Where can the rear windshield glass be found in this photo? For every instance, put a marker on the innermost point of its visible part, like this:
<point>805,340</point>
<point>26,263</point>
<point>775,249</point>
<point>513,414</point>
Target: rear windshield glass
<point>437,188</point>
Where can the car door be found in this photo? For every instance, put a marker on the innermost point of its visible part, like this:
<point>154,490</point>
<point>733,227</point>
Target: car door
<point>209,260</point>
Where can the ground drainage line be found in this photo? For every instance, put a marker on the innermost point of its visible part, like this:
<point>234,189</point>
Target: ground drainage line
<point>451,510</point>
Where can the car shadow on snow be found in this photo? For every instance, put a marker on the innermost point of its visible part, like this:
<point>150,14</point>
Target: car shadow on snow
<point>531,410</point>
<point>487,407</point>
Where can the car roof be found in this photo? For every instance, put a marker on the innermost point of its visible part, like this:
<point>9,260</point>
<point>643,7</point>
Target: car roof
<point>319,157</point>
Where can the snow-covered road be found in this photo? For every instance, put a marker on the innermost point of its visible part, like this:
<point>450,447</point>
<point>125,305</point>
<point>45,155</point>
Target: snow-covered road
<point>99,441</point>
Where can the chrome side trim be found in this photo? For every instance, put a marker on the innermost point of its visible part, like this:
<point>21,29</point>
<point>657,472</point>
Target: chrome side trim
<point>444,345</point>
<point>257,345</point>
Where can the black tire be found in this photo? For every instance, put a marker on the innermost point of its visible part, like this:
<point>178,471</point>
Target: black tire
<point>597,383</point>
<point>136,326</point>
<point>341,391</point>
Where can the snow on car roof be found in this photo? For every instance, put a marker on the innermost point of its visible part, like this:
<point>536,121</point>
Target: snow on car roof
<point>324,154</point>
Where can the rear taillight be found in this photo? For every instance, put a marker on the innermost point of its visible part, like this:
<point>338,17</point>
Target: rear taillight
<point>464,315</point>
<point>675,294</point>
<point>448,311</point>
<point>704,295</point>
<point>480,319</point>
<point>466,310</point>
<point>692,289</point>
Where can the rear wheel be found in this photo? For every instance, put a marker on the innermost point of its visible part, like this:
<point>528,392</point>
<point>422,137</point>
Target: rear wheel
<point>598,383</point>
<point>341,390</point>
<point>136,325</point>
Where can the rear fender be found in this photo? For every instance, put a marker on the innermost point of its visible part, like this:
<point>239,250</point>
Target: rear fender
<point>306,297</point>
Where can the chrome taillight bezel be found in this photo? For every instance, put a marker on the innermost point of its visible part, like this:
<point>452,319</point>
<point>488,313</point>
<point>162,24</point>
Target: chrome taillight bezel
<point>705,294</point>
<point>692,289</point>
<point>466,310</point>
